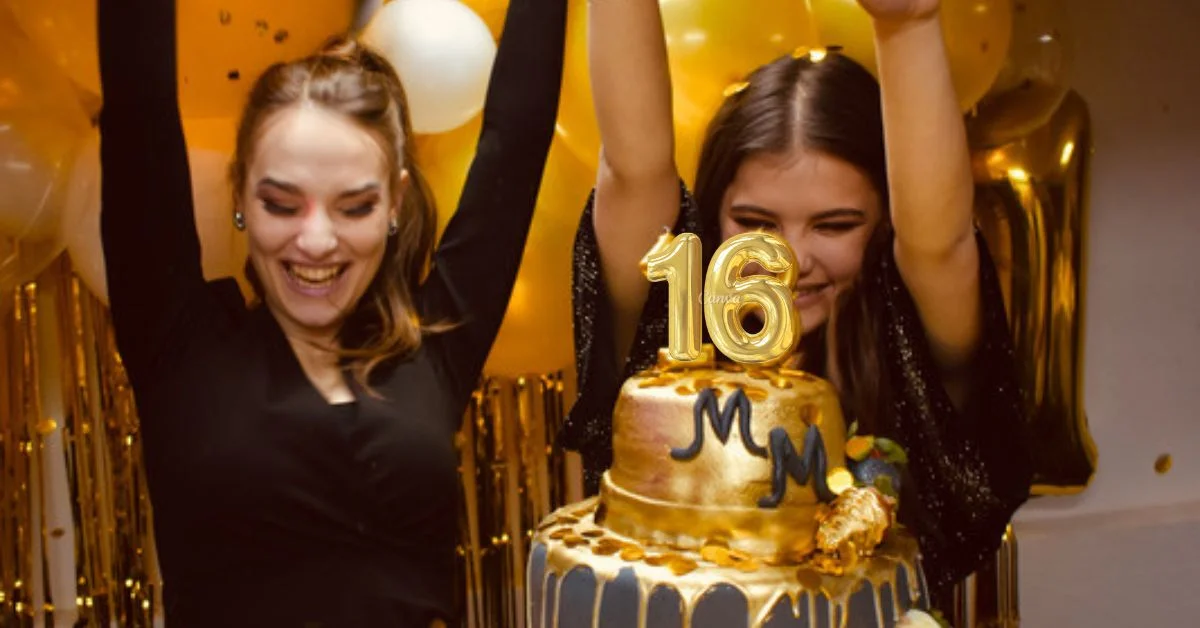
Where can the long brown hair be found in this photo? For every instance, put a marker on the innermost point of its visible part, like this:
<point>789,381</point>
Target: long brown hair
<point>830,105</point>
<point>348,78</point>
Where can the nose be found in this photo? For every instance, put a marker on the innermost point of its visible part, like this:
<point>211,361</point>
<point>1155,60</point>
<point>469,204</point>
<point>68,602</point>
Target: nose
<point>317,237</point>
<point>804,258</point>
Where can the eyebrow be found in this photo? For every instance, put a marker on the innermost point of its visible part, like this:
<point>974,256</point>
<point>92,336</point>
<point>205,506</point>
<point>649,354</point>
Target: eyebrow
<point>291,188</point>
<point>838,212</point>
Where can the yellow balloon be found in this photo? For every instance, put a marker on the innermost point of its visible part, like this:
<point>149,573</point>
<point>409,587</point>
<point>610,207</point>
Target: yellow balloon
<point>493,13</point>
<point>1032,85</point>
<point>536,334</point>
<point>711,44</point>
<point>223,46</point>
<point>977,34</point>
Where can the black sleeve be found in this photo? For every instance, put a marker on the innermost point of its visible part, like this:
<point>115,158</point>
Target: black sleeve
<point>588,426</point>
<point>475,265</point>
<point>969,470</point>
<point>152,253</point>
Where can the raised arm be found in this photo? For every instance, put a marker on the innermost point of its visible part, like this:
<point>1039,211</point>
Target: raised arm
<point>637,188</point>
<point>151,250</point>
<point>929,178</point>
<point>475,265</point>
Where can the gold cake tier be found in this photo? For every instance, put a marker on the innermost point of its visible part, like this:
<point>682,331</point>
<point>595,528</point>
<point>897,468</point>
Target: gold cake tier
<point>674,483</point>
<point>873,592</point>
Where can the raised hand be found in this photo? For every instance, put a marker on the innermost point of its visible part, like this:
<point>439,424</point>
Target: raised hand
<point>899,10</point>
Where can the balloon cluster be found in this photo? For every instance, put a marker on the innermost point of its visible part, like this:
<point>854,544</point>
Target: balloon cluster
<point>443,51</point>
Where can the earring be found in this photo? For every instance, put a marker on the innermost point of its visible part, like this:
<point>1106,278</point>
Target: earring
<point>393,227</point>
<point>239,221</point>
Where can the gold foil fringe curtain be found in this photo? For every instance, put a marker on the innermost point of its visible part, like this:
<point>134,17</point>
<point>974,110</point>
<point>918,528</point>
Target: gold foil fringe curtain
<point>75,522</point>
<point>512,477</point>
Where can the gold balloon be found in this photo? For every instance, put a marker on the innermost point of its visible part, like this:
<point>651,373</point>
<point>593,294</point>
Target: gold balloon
<point>223,46</point>
<point>727,294</point>
<point>676,260</point>
<point>1030,205</point>
<point>711,44</point>
<point>977,34</point>
<point>1032,84</point>
<point>536,336</point>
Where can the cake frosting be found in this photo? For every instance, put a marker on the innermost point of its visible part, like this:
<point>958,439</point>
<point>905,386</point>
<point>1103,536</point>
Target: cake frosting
<point>729,503</point>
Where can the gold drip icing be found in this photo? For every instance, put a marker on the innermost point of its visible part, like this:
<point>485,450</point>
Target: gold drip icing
<point>764,586</point>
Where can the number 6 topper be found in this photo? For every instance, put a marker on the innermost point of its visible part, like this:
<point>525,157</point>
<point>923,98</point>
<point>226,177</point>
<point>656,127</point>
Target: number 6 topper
<point>727,294</point>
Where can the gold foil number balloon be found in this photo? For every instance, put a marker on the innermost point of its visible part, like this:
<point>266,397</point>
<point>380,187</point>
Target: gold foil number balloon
<point>727,295</point>
<point>677,262</point>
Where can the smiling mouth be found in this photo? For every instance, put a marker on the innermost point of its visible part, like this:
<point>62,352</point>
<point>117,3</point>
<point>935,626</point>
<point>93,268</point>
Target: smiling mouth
<point>314,276</point>
<point>807,291</point>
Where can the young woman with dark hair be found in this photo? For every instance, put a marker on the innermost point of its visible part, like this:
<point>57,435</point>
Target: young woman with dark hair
<point>870,184</point>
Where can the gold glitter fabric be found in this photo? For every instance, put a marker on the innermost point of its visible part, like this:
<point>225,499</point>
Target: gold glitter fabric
<point>968,469</point>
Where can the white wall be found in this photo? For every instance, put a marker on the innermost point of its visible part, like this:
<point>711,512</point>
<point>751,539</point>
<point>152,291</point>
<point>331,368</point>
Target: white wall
<point>1128,549</point>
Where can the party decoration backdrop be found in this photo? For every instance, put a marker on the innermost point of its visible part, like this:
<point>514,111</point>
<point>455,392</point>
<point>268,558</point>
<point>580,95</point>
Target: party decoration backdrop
<point>1032,83</point>
<point>977,34</point>
<point>42,125</point>
<point>223,46</point>
<point>711,44</point>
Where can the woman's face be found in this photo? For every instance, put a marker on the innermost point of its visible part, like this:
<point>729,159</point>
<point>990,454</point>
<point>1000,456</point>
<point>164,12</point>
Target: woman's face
<point>823,206</point>
<point>318,206</point>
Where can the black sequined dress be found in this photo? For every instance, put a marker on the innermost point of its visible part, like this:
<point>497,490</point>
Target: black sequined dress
<point>968,470</point>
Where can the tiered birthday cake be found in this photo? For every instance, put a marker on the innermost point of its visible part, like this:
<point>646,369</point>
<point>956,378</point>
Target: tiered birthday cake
<point>730,503</point>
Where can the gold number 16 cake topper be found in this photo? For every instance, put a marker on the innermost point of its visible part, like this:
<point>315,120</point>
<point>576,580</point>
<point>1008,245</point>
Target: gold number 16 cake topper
<point>727,295</point>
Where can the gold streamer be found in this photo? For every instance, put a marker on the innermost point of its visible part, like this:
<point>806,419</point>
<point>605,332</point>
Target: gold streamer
<point>75,533</point>
<point>513,475</point>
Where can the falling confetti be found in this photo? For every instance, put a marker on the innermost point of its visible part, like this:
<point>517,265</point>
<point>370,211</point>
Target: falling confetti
<point>1162,464</point>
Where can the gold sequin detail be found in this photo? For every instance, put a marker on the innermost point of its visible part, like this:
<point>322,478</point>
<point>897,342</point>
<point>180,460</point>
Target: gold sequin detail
<point>681,566</point>
<point>607,547</point>
<point>632,553</point>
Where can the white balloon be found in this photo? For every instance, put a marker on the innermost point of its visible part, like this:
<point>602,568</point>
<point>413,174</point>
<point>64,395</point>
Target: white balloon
<point>443,53</point>
<point>223,248</point>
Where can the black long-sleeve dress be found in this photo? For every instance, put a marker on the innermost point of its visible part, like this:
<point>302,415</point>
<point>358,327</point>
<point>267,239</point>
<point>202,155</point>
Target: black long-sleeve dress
<point>968,471</point>
<point>271,506</point>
